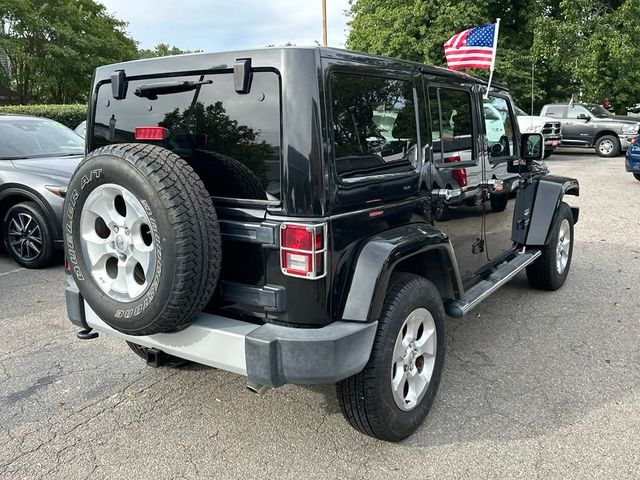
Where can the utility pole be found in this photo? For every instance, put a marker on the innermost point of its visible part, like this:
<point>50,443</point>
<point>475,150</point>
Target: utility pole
<point>324,23</point>
<point>533,66</point>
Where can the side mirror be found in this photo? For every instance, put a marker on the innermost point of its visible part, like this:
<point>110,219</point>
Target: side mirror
<point>532,146</point>
<point>583,116</point>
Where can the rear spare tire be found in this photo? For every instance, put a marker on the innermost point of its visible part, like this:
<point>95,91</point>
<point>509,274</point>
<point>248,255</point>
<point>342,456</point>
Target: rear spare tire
<point>142,238</point>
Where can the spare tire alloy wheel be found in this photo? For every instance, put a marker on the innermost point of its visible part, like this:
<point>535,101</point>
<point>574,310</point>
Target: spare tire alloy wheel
<point>117,242</point>
<point>142,238</point>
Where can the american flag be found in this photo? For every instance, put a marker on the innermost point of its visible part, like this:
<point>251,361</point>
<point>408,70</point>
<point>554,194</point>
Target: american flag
<point>473,48</point>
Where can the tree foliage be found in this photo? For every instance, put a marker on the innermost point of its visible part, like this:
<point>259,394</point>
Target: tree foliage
<point>586,48</point>
<point>68,115</point>
<point>54,45</point>
<point>163,50</point>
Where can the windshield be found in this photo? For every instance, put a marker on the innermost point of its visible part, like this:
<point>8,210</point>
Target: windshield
<point>520,112</point>
<point>598,111</point>
<point>35,137</point>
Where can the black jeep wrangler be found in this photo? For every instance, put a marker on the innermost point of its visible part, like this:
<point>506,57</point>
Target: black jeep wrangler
<point>271,213</point>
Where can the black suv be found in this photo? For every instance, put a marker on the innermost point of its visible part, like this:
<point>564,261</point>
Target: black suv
<point>270,213</point>
<point>589,125</point>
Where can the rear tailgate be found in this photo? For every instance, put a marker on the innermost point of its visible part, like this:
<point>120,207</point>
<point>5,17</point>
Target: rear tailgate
<point>232,140</point>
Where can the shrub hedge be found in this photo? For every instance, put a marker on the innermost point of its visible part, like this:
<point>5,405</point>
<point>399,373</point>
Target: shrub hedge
<point>69,115</point>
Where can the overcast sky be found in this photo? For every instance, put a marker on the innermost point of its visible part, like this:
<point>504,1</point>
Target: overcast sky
<point>218,25</point>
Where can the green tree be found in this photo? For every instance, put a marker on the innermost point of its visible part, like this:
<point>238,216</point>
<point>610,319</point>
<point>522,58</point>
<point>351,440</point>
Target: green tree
<point>163,50</point>
<point>593,45</point>
<point>54,46</point>
<point>586,47</point>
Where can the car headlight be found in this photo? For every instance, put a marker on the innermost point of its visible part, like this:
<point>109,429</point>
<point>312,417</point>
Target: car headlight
<point>630,130</point>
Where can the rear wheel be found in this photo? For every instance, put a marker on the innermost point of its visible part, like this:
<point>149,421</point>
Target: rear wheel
<point>499,201</point>
<point>608,146</point>
<point>637,175</point>
<point>27,235</point>
<point>144,242</point>
<point>550,270</point>
<point>391,397</point>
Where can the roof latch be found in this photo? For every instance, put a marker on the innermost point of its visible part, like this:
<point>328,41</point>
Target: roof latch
<point>242,75</point>
<point>119,84</point>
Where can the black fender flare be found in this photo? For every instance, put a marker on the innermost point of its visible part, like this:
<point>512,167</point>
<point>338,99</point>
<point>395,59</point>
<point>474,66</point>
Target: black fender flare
<point>549,195</point>
<point>32,195</point>
<point>376,261</point>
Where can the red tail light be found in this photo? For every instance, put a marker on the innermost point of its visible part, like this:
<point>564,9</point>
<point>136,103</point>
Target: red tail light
<point>67,265</point>
<point>151,133</point>
<point>634,140</point>
<point>303,250</point>
<point>458,174</point>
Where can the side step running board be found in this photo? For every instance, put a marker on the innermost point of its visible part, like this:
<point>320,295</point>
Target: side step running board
<point>493,282</point>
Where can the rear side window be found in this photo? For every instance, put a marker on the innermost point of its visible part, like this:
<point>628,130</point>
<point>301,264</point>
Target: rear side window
<point>555,111</point>
<point>374,125</point>
<point>452,125</point>
<point>231,140</point>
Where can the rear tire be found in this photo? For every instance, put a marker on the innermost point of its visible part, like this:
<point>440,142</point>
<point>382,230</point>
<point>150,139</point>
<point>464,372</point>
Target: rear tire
<point>27,235</point>
<point>550,270</point>
<point>142,238</point>
<point>499,201</point>
<point>608,146</point>
<point>637,176</point>
<point>389,399</point>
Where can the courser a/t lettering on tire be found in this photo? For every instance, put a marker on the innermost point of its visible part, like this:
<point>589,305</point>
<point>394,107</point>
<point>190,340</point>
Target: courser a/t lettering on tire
<point>142,238</point>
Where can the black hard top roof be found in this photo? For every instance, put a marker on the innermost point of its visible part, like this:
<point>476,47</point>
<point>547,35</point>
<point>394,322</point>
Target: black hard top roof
<point>324,52</point>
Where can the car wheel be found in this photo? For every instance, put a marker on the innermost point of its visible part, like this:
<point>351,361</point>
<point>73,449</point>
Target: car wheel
<point>550,270</point>
<point>142,238</point>
<point>608,146</point>
<point>441,211</point>
<point>637,175</point>
<point>499,201</point>
<point>391,397</point>
<point>27,235</point>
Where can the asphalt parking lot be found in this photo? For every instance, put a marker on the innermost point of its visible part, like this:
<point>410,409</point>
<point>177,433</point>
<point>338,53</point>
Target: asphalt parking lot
<point>536,384</point>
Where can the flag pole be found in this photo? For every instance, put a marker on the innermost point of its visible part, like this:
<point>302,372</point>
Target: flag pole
<point>324,23</point>
<point>493,59</point>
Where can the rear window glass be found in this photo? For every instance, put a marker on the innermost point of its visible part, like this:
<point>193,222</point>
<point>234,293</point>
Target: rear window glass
<point>231,140</point>
<point>374,125</point>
